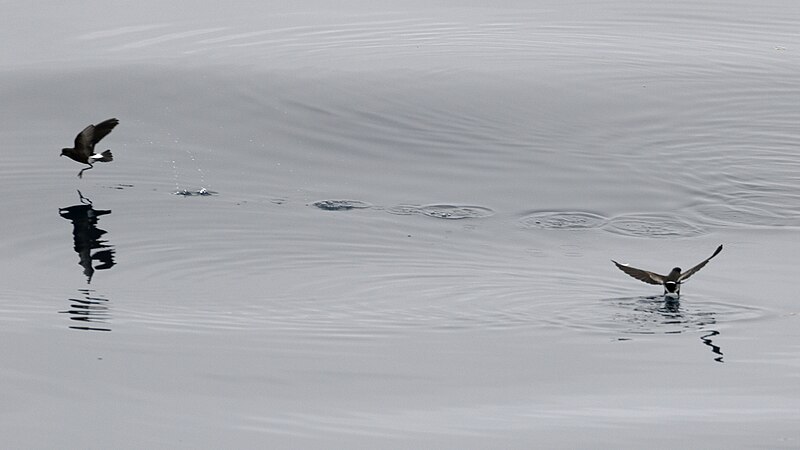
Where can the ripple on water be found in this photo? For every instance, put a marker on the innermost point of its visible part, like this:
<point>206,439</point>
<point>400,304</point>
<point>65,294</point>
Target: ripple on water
<point>432,307</point>
<point>649,315</point>
<point>750,215</point>
<point>443,211</point>
<point>653,226</point>
<point>341,205</point>
<point>120,186</point>
<point>563,220</point>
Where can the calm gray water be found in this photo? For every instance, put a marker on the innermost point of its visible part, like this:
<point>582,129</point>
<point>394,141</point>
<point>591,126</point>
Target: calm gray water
<point>386,226</point>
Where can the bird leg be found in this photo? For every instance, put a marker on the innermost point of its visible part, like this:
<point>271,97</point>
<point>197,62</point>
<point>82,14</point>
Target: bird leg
<point>80,174</point>
<point>83,199</point>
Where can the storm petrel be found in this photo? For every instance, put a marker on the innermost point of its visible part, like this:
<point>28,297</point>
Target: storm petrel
<point>671,282</point>
<point>84,145</point>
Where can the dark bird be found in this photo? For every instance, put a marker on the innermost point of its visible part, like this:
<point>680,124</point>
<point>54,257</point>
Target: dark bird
<point>671,282</point>
<point>85,142</point>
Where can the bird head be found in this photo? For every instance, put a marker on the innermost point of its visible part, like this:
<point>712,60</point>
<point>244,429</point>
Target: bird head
<point>64,151</point>
<point>676,271</point>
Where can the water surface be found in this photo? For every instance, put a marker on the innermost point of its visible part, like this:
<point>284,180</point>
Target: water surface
<point>384,226</point>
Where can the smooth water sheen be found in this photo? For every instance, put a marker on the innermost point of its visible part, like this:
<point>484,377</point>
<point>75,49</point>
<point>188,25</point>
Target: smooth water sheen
<point>390,226</point>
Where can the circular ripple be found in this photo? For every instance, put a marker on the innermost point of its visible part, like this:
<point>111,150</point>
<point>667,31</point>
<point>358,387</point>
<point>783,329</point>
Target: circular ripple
<point>562,220</point>
<point>456,212</point>
<point>443,211</point>
<point>404,210</point>
<point>653,226</point>
<point>341,205</point>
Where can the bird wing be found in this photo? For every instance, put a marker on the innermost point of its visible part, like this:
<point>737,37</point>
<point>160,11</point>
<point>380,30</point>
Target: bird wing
<point>694,269</point>
<point>641,275</point>
<point>83,142</point>
<point>93,134</point>
<point>102,129</point>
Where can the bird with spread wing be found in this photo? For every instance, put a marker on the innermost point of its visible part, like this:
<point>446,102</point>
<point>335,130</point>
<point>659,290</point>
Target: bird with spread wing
<point>672,281</point>
<point>83,152</point>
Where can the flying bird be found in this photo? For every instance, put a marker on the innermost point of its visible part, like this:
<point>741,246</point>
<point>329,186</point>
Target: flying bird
<point>671,282</point>
<point>85,142</point>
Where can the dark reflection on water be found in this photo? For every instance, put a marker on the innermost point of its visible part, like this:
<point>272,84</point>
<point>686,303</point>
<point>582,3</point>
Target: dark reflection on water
<point>714,348</point>
<point>90,312</point>
<point>661,314</point>
<point>670,313</point>
<point>86,236</point>
<point>665,315</point>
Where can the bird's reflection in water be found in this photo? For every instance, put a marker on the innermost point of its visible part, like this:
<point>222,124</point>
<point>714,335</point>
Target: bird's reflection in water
<point>664,314</point>
<point>86,235</point>
<point>90,312</point>
<point>714,348</point>
<point>672,309</point>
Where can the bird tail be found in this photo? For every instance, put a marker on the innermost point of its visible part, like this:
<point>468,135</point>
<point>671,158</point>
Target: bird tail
<point>106,156</point>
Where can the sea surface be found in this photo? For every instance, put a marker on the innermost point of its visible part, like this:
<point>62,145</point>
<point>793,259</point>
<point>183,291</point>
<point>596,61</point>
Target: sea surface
<point>391,225</point>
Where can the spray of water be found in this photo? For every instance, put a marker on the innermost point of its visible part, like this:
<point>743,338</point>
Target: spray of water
<point>203,190</point>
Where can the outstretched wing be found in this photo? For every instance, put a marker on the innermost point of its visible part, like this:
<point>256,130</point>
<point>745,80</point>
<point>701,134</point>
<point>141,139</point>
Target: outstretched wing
<point>83,142</point>
<point>102,129</point>
<point>641,275</point>
<point>92,134</point>
<point>694,269</point>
